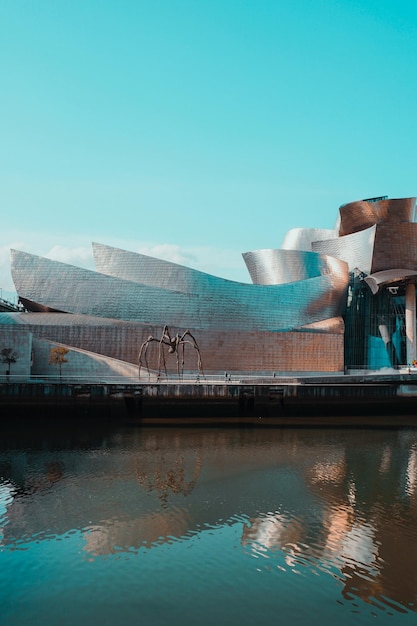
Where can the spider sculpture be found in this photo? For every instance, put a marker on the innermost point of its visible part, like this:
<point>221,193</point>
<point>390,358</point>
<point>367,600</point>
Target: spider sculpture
<point>176,345</point>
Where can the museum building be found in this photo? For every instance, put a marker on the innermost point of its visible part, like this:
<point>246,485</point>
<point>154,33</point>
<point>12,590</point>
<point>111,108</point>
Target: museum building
<point>326,301</point>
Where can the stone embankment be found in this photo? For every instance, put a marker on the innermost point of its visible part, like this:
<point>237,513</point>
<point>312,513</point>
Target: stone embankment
<point>333,401</point>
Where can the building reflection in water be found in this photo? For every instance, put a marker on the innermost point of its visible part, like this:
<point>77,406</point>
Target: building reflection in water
<point>340,503</point>
<point>368,543</point>
<point>163,473</point>
<point>168,476</point>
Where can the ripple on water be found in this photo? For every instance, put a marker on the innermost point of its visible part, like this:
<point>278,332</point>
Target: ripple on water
<point>309,525</point>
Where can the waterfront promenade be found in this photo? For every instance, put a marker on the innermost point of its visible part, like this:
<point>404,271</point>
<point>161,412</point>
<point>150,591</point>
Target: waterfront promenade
<point>343,399</point>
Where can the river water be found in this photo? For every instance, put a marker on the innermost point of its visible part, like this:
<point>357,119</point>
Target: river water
<point>208,526</point>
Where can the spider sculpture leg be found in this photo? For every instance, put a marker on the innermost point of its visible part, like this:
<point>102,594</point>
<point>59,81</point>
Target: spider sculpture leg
<point>194,344</point>
<point>182,343</point>
<point>143,353</point>
<point>167,341</point>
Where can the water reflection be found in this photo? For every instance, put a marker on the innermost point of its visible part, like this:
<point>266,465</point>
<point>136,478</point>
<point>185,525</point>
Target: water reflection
<point>339,503</point>
<point>168,474</point>
<point>366,531</point>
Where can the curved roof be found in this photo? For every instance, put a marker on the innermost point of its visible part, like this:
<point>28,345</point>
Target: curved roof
<point>215,303</point>
<point>275,267</point>
<point>356,249</point>
<point>356,216</point>
<point>389,277</point>
<point>302,238</point>
<point>147,270</point>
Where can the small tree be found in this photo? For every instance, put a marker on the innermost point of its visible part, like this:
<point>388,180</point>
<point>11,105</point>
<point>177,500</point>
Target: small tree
<point>8,356</point>
<point>57,357</point>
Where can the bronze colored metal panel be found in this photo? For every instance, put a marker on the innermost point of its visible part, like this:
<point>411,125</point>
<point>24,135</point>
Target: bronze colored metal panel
<point>395,247</point>
<point>362,214</point>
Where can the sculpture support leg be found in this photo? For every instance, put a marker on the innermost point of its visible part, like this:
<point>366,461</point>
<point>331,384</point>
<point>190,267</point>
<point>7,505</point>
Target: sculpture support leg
<point>410,321</point>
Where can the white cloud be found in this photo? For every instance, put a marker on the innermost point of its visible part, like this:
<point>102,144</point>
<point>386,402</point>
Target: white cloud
<point>79,255</point>
<point>225,263</point>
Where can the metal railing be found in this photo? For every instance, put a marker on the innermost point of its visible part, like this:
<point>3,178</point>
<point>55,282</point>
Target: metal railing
<point>7,305</point>
<point>235,378</point>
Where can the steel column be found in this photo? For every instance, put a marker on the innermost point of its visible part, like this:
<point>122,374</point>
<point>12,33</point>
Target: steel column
<point>410,321</point>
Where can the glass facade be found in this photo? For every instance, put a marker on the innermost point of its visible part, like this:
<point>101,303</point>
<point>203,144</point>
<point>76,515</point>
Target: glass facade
<point>375,335</point>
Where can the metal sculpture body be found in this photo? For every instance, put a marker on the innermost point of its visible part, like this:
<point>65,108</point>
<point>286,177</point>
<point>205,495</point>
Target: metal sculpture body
<point>176,345</point>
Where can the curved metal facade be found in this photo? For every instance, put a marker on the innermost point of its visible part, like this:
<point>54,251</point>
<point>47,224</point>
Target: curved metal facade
<point>356,249</point>
<point>362,214</point>
<point>303,238</point>
<point>218,304</point>
<point>147,270</point>
<point>277,267</point>
<point>395,246</point>
<point>266,267</point>
<point>389,277</point>
<point>380,318</point>
<point>291,318</point>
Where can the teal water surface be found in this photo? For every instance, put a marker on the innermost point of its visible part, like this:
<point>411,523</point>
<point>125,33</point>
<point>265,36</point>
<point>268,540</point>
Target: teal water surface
<point>208,526</point>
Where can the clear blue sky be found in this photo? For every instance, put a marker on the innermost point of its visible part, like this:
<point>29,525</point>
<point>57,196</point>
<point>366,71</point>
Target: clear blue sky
<point>198,129</point>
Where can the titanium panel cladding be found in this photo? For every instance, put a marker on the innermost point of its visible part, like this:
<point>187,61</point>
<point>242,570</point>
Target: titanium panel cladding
<point>66,288</point>
<point>275,267</point>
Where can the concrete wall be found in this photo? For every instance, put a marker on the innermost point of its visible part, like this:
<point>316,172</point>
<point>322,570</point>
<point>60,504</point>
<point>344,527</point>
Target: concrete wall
<point>80,363</point>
